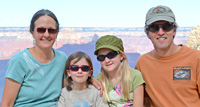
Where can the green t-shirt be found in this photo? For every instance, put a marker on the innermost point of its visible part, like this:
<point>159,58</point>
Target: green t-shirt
<point>114,89</point>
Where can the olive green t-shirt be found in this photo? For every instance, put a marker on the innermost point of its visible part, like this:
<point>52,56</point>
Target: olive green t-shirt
<point>114,89</point>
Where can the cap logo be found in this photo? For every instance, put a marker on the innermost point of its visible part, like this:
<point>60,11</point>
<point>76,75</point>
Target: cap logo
<point>159,10</point>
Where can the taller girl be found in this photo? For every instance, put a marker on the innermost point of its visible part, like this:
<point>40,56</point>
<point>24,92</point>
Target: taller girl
<point>123,86</point>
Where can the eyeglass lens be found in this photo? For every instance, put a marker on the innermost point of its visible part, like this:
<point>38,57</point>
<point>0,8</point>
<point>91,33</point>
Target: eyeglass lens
<point>43,30</point>
<point>166,27</point>
<point>109,55</point>
<point>76,68</point>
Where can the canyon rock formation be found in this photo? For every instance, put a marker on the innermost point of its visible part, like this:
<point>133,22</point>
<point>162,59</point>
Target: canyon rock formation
<point>194,38</point>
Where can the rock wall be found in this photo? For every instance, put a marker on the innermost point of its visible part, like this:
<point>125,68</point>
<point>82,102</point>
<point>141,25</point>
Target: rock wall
<point>194,38</point>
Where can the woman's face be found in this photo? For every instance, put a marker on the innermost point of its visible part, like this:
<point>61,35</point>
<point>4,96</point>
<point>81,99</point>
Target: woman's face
<point>45,39</point>
<point>110,65</point>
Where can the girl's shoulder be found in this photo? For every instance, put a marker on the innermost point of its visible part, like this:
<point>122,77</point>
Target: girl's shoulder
<point>92,87</point>
<point>135,72</point>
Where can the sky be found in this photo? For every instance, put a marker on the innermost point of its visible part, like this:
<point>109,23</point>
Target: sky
<point>96,13</point>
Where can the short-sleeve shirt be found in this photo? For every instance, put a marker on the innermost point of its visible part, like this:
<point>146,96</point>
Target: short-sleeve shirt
<point>41,83</point>
<point>114,92</point>
<point>89,97</point>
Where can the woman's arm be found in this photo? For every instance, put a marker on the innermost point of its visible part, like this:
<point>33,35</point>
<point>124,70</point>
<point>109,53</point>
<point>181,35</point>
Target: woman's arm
<point>11,89</point>
<point>138,96</point>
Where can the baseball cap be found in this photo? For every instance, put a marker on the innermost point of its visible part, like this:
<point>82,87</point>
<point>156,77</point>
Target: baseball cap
<point>110,42</point>
<point>160,13</point>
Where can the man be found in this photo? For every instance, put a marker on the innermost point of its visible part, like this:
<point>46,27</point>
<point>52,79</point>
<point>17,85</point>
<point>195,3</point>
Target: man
<point>171,72</point>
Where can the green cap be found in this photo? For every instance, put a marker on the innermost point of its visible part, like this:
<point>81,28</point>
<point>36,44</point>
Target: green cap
<point>160,13</point>
<point>109,41</point>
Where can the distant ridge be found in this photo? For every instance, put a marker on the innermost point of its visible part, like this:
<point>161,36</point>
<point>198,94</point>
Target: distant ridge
<point>89,49</point>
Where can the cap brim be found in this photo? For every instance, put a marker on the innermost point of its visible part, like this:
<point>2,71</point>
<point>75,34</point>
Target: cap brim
<point>169,19</point>
<point>106,46</point>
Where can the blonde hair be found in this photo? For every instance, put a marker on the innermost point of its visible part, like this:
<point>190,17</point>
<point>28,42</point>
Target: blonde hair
<point>125,79</point>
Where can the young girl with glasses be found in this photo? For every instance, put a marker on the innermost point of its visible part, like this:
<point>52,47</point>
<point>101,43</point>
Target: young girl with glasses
<point>78,91</point>
<point>123,86</point>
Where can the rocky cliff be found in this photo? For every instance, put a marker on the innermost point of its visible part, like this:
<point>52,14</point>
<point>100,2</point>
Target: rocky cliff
<point>194,38</point>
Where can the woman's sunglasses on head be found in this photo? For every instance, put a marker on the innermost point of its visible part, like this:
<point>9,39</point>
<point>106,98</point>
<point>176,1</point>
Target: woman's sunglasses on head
<point>165,27</point>
<point>109,55</point>
<point>84,68</point>
<point>50,30</point>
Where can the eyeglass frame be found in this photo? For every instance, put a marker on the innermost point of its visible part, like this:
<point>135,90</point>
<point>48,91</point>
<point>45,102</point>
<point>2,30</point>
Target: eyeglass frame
<point>161,26</point>
<point>49,30</point>
<point>117,52</point>
<point>80,67</point>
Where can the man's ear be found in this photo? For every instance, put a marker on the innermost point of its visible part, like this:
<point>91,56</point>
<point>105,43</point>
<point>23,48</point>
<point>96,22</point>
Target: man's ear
<point>148,35</point>
<point>174,33</point>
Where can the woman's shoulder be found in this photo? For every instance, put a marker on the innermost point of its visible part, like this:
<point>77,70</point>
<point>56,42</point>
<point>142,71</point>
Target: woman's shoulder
<point>20,55</point>
<point>60,54</point>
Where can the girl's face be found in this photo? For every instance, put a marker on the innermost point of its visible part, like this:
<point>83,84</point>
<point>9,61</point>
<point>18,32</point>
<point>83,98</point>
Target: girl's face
<point>44,38</point>
<point>110,65</point>
<point>79,76</point>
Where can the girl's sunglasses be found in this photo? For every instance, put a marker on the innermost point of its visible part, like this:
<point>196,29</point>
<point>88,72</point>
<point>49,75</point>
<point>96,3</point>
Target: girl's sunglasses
<point>84,68</point>
<point>109,55</point>
<point>155,28</point>
<point>50,30</point>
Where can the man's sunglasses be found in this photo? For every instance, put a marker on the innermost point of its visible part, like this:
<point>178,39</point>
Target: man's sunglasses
<point>50,30</point>
<point>166,27</point>
<point>84,68</point>
<point>109,55</point>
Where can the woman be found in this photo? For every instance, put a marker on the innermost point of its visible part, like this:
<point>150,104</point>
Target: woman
<point>34,76</point>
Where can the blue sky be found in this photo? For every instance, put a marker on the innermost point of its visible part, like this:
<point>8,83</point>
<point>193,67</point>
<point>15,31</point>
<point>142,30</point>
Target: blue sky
<point>96,13</point>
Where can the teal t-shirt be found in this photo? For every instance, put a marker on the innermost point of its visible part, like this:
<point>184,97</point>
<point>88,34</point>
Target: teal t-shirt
<point>41,83</point>
<point>114,91</point>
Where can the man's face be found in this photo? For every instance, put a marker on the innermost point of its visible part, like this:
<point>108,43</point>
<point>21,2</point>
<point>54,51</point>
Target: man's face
<point>162,37</point>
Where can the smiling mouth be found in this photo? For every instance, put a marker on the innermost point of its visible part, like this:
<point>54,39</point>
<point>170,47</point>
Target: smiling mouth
<point>161,38</point>
<point>45,40</point>
<point>108,64</point>
<point>79,76</point>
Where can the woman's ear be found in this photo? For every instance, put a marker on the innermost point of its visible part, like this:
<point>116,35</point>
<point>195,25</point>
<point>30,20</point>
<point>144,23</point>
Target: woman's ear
<point>31,32</point>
